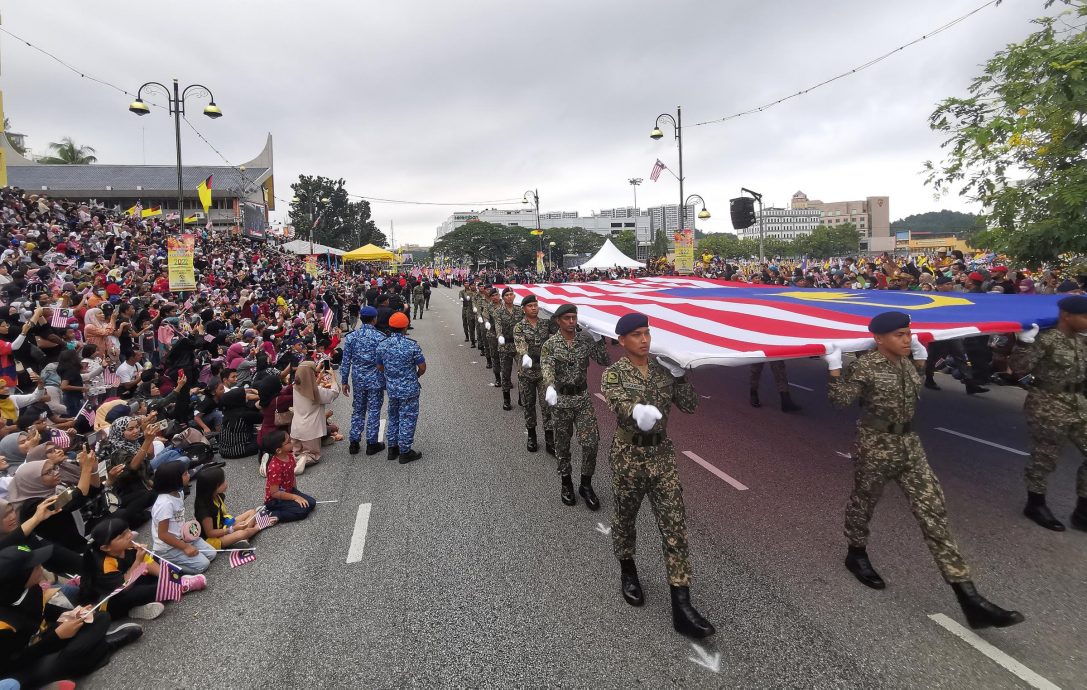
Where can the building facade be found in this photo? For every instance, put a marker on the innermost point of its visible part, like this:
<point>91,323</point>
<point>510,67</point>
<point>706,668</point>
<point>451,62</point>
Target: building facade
<point>605,222</point>
<point>871,216</point>
<point>784,223</point>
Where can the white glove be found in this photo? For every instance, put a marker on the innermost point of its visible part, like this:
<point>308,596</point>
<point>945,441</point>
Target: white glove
<point>501,340</point>
<point>676,370</point>
<point>526,362</point>
<point>479,318</point>
<point>1027,337</point>
<point>645,416</point>
<point>487,325</point>
<point>475,309</point>
<point>919,351</point>
<point>833,357</point>
<point>551,396</point>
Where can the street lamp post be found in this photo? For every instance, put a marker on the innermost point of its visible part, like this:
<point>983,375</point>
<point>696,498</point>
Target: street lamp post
<point>312,208</point>
<point>533,196</point>
<point>677,125</point>
<point>177,109</point>
<point>550,259</point>
<point>703,214</point>
<point>634,182</point>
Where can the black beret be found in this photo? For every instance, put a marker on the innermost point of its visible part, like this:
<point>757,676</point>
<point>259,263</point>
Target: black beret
<point>943,280</point>
<point>531,299</point>
<point>888,321</point>
<point>565,309</point>
<point>1068,286</point>
<point>506,290</point>
<point>1075,304</point>
<point>631,322</point>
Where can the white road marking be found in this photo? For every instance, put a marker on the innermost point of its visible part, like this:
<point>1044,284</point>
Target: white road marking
<point>803,388</point>
<point>475,362</point>
<point>334,501</point>
<point>710,662</point>
<point>602,528</point>
<point>706,397</point>
<point>847,456</point>
<point>358,537</point>
<point>981,440</point>
<point>381,430</point>
<point>1010,664</point>
<point>601,396</point>
<point>461,345</point>
<point>713,470</point>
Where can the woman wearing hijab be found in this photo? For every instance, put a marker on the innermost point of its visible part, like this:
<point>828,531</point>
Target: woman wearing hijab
<point>130,460</point>
<point>98,330</point>
<point>312,391</point>
<point>238,438</point>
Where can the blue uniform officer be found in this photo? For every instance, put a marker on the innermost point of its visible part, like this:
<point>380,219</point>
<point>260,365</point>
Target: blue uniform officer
<point>400,358</point>
<point>359,368</point>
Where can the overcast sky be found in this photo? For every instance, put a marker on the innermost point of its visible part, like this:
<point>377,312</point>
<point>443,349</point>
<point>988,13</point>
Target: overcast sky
<point>478,100</point>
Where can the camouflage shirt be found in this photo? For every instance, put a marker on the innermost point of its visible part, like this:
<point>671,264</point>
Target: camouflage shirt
<point>624,386</point>
<point>528,340</point>
<point>467,300</point>
<point>1055,360</point>
<point>418,295</point>
<point>504,321</point>
<point>567,363</point>
<point>887,390</point>
<point>487,312</point>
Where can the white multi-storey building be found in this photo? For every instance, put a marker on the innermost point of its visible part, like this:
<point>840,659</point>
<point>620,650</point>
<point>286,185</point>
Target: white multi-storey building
<point>605,222</point>
<point>784,223</point>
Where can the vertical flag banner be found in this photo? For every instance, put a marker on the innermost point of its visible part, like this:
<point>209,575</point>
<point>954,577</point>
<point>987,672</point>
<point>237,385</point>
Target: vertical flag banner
<point>204,192</point>
<point>685,252</point>
<point>539,262</point>
<point>656,171</point>
<point>311,265</point>
<point>179,250</point>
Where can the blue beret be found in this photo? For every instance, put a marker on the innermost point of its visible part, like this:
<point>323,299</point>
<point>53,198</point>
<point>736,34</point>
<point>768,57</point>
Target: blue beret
<point>1068,286</point>
<point>888,321</point>
<point>368,312</point>
<point>565,309</point>
<point>631,322</point>
<point>1076,304</point>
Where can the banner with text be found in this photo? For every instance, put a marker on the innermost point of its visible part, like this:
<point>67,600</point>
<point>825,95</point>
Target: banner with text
<point>685,251</point>
<point>311,265</point>
<point>179,252</point>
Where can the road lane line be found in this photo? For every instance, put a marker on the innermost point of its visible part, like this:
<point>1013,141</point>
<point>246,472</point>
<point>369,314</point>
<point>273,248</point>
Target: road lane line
<point>981,440</point>
<point>381,431</point>
<point>1009,663</point>
<point>803,388</point>
<point>358,537</point>
<point>601,396</point>
<point>713,470</point>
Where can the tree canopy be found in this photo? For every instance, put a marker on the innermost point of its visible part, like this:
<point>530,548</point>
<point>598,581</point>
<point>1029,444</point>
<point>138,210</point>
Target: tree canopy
<point>1016,142</point>
<point>494,242</point>
<point>66,152</point>
<point>340,222</point>
<point>823,242</point>
<point>944,221</point>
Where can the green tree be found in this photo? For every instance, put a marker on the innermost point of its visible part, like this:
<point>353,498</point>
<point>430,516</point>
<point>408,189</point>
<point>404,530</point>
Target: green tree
<point>937,222</point>
<point>826,241</point>
<point>340,222</point>
<point>659,247</point>
<point>7,128</point>
<point>626,242</point>
<point>490,242</point>
<point>67,153</point>
<point>723,244</point>
<point>1016,143</point>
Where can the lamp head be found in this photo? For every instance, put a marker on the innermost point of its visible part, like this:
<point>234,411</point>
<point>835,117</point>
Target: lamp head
<point>703,214</point>
<point>656,133</point>
<point>324,200</point>
<point>295,200</point>
<point>213,111</point>
<point>139,107</point>
<point>551,243</point>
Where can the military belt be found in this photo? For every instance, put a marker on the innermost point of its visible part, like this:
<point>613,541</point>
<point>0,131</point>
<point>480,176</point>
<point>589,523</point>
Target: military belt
<point>570,389</point>
<point>639,439</point>
<point>887,427</point>
<point>1060,387</point>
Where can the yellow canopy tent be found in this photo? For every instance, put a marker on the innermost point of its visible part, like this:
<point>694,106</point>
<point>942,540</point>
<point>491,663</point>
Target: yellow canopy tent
<point>369,252</point>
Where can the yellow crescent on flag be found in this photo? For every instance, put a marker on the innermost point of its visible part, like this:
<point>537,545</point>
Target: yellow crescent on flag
<point>934,301</point>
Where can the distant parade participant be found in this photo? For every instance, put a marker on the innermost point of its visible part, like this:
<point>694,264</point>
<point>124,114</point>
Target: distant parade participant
<point>402,363</point>
<point>494,301</point>
<point>359,368</point>
<point>564,359</point>
<point>888,384</point>
<point>643,464</point>
<point>506,316</point>
<point>781,381</point>
<point>418,299</point>
<point>1055,407</point>
<point>467,318</point>
<point>529,336</point>
<point>479,301</point>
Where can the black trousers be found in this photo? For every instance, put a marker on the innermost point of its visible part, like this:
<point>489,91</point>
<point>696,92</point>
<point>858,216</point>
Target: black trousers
<point>78,657</point>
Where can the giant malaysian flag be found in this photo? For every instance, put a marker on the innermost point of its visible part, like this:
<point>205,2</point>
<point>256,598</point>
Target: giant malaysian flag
<point>697,321</point>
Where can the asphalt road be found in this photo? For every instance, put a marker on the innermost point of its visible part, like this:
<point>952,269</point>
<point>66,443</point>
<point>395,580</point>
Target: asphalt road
<point>469,572</point>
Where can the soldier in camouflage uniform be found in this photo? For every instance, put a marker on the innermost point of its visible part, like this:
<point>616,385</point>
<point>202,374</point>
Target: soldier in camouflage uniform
<point>643,464</point>
<point>494,302</point>
<point>478,303</point>
<point>1055,407</point>
<point>506,316</point>
<point>467,318</point>
<point>564,359</point>
<point>888,384</point>
<point>418,299</point>
<point>529,336</point>
<point>359,369</point>
<point>781,382</point>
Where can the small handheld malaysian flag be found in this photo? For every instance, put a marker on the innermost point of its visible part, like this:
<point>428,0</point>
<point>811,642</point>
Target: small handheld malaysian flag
<point>326,320</point>
<point>169,587</point>
<point>241,558</point>
<point>59,438</point>
<point>109,379</point>
<point>264,520</point>
<point>60,317</point>
<point>87,413</point>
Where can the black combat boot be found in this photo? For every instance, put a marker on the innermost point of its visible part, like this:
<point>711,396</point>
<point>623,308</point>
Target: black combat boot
<point>755,402</point>
<point>497,377</point>
<point>787,404</point>
<point>568,491</point>
<point>973,388</point>
<point>856,561</point>
<point>586,491</point>
<point>506,401</point>
<point>411,455</point>
<point>374,448</point>
<point>632,586</point>
<point>1038,511</point>
<point>394,452</point>
<point>1079,516</point>
<point>930,383</point>
<point>488,362</point>
<point>549,441</point>
<point>979,611</point>
<point>353,449</point>
<point>685,619</point>
<point>533,445</point>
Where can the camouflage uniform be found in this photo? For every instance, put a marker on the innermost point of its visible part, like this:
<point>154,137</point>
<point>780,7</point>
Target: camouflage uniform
<point>528,340</point>
<point>418,298</point>
<point>644,463</point>
<point>504,321</point>
<point>887,449</point>
<point>359,368</point>
<point>565,366</point>
<point>1055,406</point>
<point>492,340</point>
<point>478,304</point>
<point>467,317</point>
<point>777,368</point>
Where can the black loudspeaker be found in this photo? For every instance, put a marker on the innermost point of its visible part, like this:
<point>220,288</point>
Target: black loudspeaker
<point>743,212</point>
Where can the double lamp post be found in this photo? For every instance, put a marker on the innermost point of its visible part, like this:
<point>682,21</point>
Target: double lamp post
<point>677,125</point>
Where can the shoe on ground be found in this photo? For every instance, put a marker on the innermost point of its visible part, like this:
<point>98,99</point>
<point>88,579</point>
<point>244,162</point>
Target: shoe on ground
<point>587,493</point>
<point>374,448</point>
<point>1043,516</point>
<point>354,448</point>
<point>147,612</point>
<point>567,492</point>
<point>685,618</point>
<point>122,635</point>
<point>193,583</point>
<point>394,452</point>
<point>856,561</point>
<point>1079,521</point>
<point>411,455</point>
<point>980,612</point>
<point>931,385</point>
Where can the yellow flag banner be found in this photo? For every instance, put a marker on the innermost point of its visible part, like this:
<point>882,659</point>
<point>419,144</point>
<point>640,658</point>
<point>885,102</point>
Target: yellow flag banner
<point>539,262</point>
<point>685,251</point>
<point>204,192</point>
<point>179,253</point>
<point>311,265</point>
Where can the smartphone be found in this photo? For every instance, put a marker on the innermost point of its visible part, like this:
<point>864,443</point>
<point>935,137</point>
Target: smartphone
<point>162,425</point>
<point>64,498</point>
<point>92,438</point>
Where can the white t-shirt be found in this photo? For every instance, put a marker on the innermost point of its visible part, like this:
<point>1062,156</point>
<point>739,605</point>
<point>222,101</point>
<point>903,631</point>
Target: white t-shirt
<point>167,507</point>
<point>126,372</point>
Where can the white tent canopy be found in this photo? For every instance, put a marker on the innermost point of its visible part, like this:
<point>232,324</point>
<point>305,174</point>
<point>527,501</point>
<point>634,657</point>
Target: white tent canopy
<point>303,247</point>
<point>609,256</point>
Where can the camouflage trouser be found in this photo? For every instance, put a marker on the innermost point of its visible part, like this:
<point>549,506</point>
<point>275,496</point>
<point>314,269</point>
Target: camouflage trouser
<point>777,368</point>
<point>579,413</point>
<point>400,426</point>
<point>481,338</point>
<point>881,457</point>
<point>468,320</point>
<point>365,412</point>
<point>665,498</point>
<point>1050,423</point>
<point>532,391</point>
<point>505,360</point>
<point>492,354</point>
<point>418,310</point>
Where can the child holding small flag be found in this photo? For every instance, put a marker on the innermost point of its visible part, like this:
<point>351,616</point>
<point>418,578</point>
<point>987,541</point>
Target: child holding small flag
<point>115,562</point>
<point>281,495</point>
<point>219,527</point>
<point>168,518</point>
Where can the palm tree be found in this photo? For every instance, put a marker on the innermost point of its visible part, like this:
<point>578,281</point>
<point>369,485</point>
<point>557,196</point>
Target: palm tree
<point>67,153</point>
